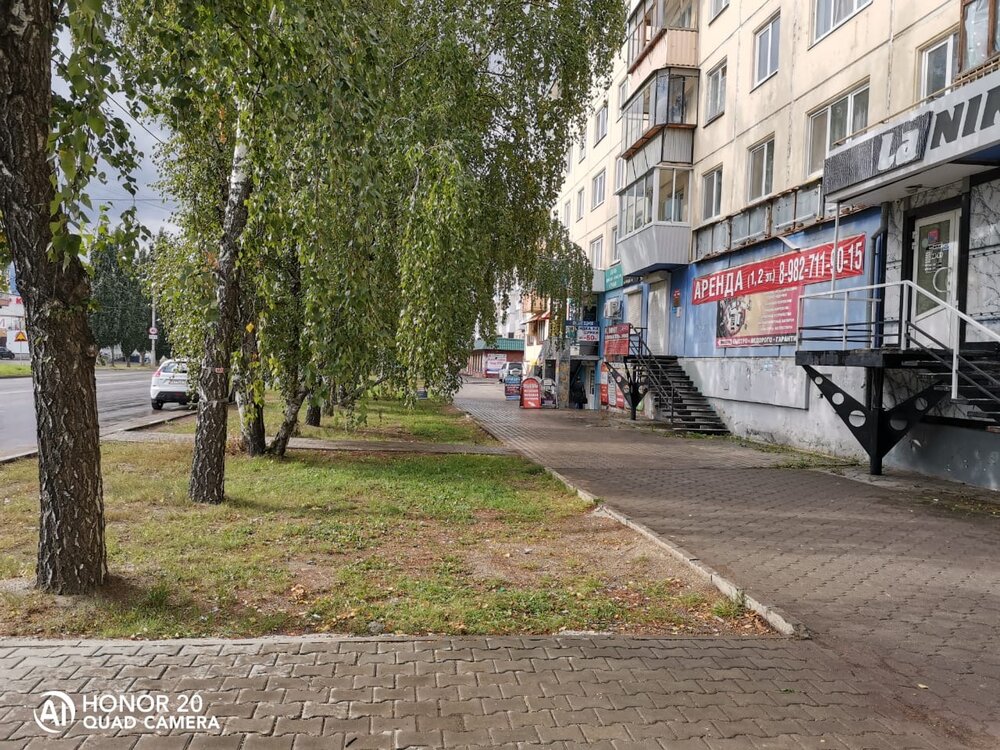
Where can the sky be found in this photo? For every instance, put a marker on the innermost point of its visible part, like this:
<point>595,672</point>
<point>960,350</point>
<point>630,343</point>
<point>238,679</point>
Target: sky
<point>152,208</point>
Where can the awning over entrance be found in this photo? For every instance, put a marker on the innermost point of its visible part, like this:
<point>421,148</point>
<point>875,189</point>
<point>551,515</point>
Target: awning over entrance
<point>939,142</point>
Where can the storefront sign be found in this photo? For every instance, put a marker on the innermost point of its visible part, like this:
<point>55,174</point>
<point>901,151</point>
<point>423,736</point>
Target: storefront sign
<point>950,128</point>
<point>616,340</point>
<point>512,387</point>
<point>886,152</point>
<point>758,303</point>
<point>613,277</point>
<point>588,333</point>
<point>531,393</point>
<point>494,362</point>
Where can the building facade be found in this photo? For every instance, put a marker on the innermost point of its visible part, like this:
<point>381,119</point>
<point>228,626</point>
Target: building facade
<point>734,248</point>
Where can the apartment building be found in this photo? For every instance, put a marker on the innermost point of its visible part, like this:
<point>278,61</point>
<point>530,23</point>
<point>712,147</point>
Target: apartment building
<point>588,208</point>
<point>778,154</point>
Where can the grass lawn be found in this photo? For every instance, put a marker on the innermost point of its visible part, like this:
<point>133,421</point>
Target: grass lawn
<point>427,421</point>
<point>352,544</point>
<point>14,369</point>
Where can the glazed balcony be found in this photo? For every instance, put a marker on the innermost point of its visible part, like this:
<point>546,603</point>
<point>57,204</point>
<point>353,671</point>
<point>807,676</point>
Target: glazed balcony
<point>662,32</point>
<point>667,102</point>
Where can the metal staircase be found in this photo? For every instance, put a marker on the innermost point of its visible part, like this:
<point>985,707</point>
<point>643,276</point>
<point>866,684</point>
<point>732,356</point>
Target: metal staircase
<point>947,365</point>
<point>677,401</point>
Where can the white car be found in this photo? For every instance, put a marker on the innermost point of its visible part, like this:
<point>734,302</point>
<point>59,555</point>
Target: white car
<point>510,368</point>
<point>170,384</point>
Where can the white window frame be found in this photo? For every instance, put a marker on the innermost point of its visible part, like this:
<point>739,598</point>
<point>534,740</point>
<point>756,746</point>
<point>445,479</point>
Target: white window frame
<point>619,174</point>
<point>717,7</point>
<point>951,43</point>
<point>581,203</point>
<point>762,190</point>
<point>616,253</point>
<point>716,92</point>
<point>583,144</point>
<point>828,109</point>
<point>857,7</point>
<point>597,252</point>
<point>567,212</point>
<point>715,177</point>
<point>598,188</point>
<point>622,96</point>
<point>769,34</point>
<point>601,124</point>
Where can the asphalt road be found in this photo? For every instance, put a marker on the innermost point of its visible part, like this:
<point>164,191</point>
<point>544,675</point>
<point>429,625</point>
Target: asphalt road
<point>122,396</point>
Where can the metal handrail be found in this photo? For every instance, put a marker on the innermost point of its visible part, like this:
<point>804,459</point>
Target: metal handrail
<point>909,289</point>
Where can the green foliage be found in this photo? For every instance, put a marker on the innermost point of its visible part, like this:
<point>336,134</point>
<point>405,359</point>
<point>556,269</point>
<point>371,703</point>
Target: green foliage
<point>404,157</point>
<point>120,308</point>
<point>88,134</point>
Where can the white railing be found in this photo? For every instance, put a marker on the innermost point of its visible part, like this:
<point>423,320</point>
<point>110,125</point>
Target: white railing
<point>872,334</point>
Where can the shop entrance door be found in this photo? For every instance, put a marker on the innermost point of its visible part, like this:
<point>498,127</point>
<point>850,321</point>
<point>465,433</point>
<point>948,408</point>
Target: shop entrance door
<point>935,271</point>
<point>658,321</point>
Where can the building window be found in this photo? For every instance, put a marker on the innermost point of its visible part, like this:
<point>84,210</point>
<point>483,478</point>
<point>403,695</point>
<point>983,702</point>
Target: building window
<point>569,158</point>
<point>718,6</point>
<point>672,203</point>
<point>622,96</point>
<point>836,123</point>
<point>583,145</point>
<point>832,13</point>
<point>766,44</point>
<point>598,190</point>
<point>940,66</point>
<point>761,170</point>
<point>716,91</point>
<point>601,124</point>
<point>619,174</point>
<point>615,252</point>
<point>566,210</point>
<point>712,194</point>
<point>980,32</point>
<point>580,204</point>
<point>597,252</point>
<point>636,207</point>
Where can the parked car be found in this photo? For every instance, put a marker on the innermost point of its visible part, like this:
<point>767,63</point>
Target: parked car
<point>6,353</point>
<point>170,384</point>
<point>510,368</point>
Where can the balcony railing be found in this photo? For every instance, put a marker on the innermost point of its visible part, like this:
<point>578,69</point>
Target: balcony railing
<point>656,245</point>
<point>782,214</point>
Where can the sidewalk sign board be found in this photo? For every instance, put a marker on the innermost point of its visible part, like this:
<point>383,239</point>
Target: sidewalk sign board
<point>512,387</point>
<point>531,393</point>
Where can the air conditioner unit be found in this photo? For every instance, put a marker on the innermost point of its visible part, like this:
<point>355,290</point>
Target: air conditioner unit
<point>613,308</point>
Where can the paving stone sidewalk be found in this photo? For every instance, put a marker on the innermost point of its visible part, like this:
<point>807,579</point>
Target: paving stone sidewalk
<point>559,692</point>
<point>905,593</point>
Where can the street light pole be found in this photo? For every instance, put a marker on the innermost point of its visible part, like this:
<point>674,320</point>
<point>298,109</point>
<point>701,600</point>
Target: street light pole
<point>152,325</point>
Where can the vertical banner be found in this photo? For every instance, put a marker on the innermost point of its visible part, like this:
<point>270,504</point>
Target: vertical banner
<point>758,303</point>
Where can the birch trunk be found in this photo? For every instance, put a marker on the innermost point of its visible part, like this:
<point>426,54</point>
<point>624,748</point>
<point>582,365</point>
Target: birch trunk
<point>208,467</point>
<point>71,549</point>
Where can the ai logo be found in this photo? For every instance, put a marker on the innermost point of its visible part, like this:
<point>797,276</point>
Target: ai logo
<point>56,713</point>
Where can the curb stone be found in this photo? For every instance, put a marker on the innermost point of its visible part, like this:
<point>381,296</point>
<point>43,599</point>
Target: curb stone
<point>775,617</point>
<point>136,424</point>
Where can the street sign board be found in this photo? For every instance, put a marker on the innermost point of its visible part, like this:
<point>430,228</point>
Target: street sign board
<point>153,331</point>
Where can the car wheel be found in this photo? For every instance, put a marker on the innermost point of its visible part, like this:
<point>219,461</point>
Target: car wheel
<point>157,405</point>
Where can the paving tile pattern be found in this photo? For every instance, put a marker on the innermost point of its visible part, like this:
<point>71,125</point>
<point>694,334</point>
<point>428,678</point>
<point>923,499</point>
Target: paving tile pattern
<point>560,692</point>
<point>907,593</point>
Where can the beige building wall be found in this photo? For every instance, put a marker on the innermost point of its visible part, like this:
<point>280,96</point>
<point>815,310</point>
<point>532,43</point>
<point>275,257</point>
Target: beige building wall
<point>881,46</point>
<point>597,221</point>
